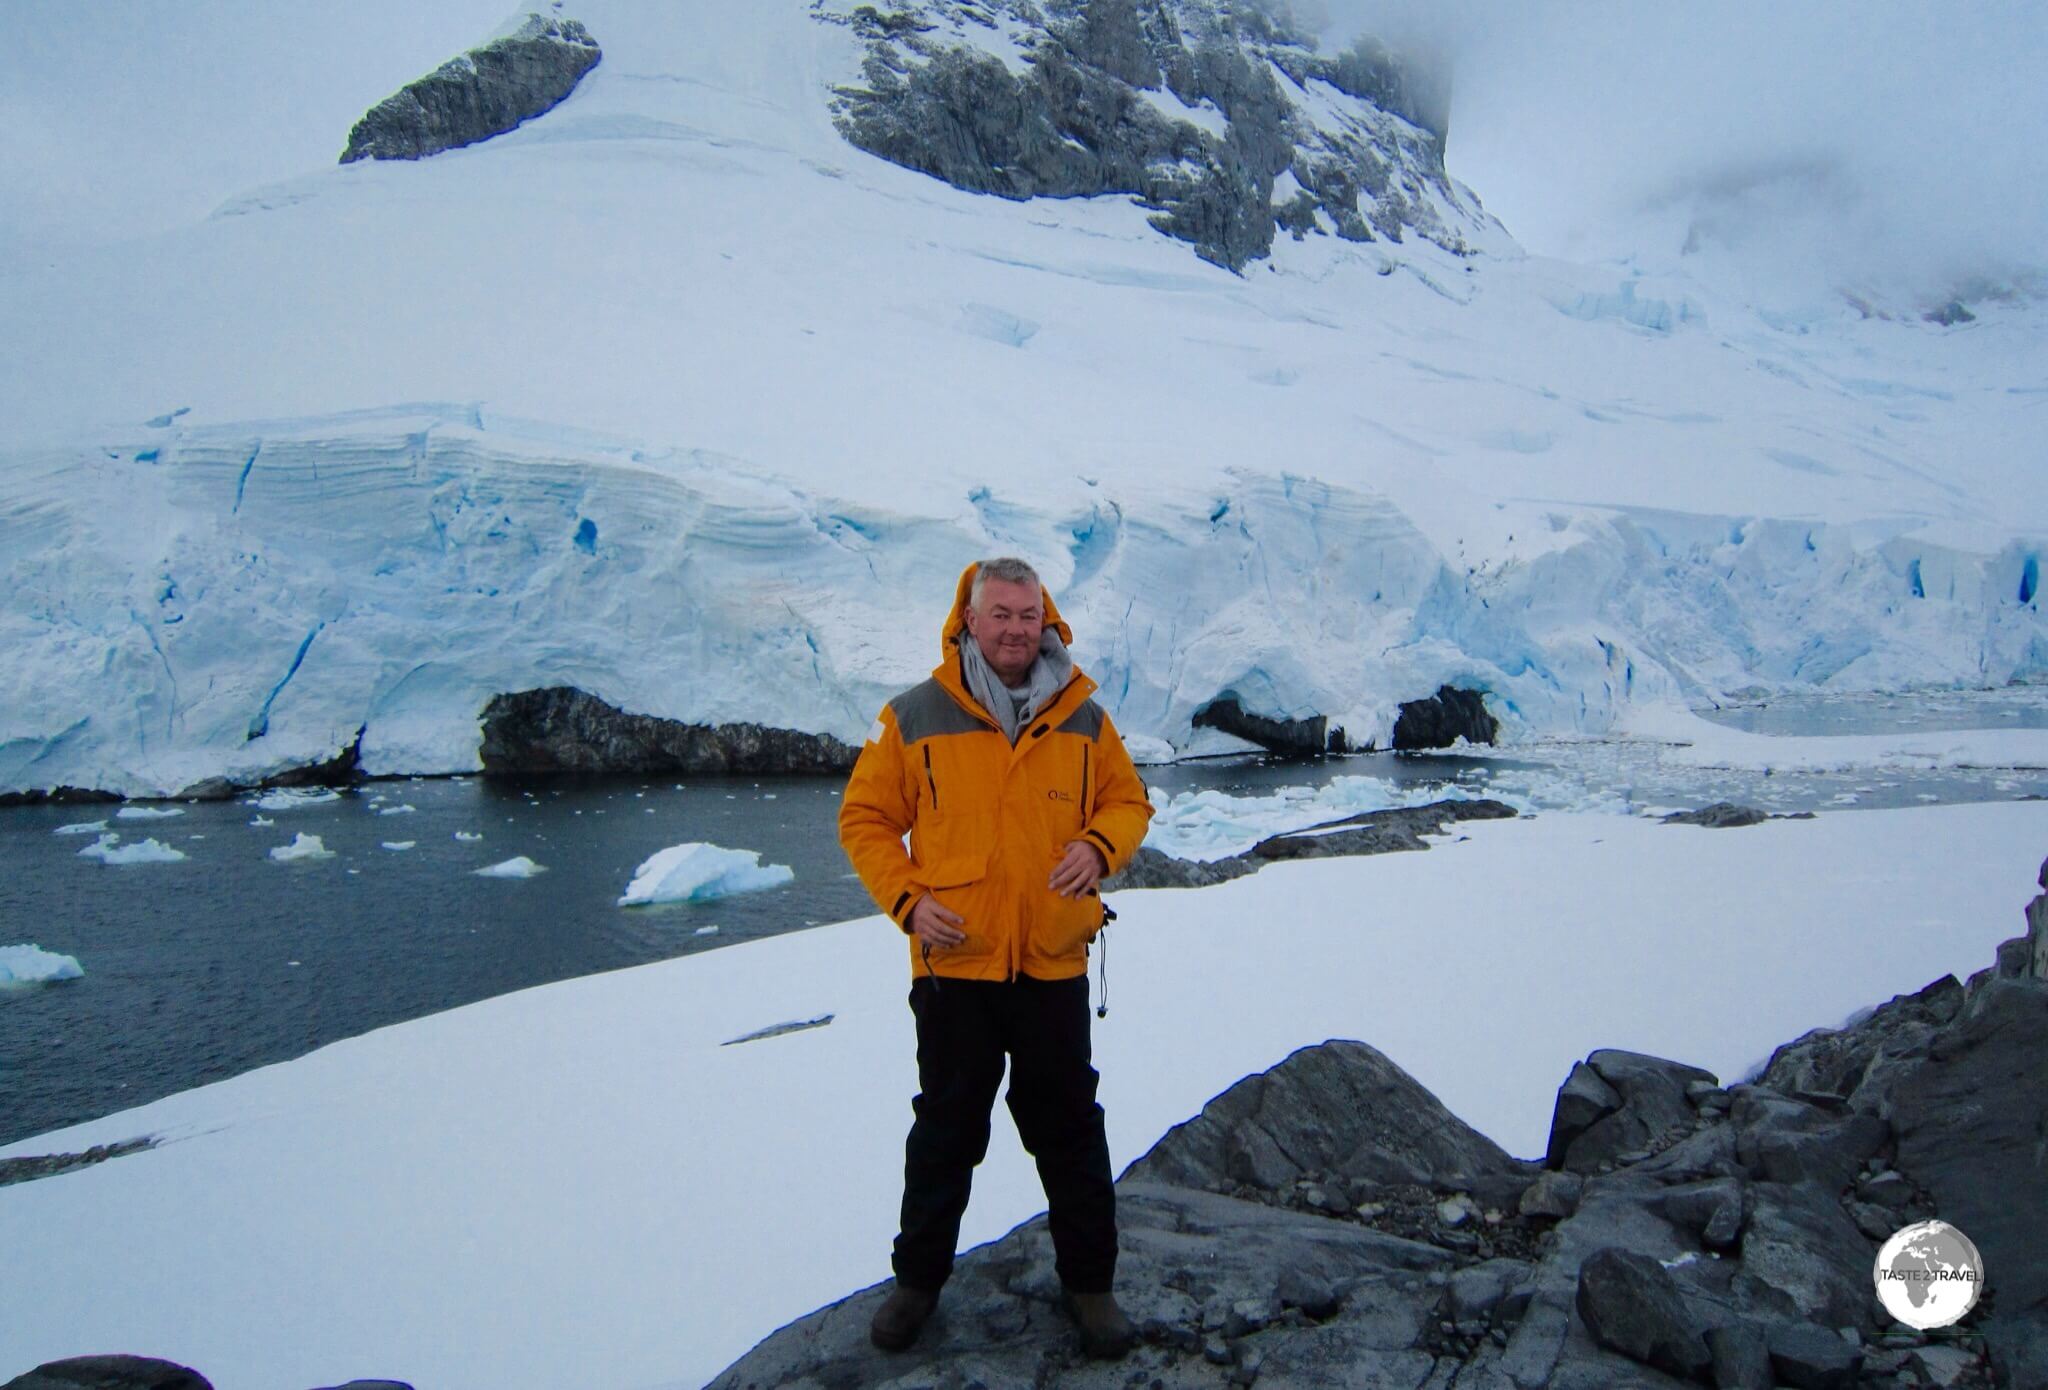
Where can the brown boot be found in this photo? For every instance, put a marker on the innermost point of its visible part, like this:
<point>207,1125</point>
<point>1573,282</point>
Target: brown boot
<point>900,1317</point>
<point>1106,1333</point>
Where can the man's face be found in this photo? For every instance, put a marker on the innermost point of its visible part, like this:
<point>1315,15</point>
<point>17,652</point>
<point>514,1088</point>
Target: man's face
<point>1007,623</point>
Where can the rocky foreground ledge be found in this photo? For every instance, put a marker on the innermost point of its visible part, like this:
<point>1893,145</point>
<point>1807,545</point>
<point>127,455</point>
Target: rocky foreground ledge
<point>1329,1222</point>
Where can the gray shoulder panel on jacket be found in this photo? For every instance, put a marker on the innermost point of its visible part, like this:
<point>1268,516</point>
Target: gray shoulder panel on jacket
<point>926,709</point>
<point>1085,721</point>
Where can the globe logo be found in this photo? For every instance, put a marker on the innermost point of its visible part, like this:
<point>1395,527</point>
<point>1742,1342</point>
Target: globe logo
<point>1928,1275</point>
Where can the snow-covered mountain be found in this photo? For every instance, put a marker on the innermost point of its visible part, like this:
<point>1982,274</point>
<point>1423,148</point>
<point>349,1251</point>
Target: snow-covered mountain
<point>675,395</point>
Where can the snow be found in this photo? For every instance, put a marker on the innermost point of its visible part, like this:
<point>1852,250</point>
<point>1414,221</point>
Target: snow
<point>303,846</point>
<point>372,498</point>
<point>1205,114</point>
<point>517,867</point>
<point>108,850</point>
<point>700,872</point>
<point>541,1161</point>
<point>32,965</point>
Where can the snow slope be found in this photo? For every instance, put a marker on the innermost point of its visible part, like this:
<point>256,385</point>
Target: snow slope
<point>674,396</point>
<point>582,1185</point>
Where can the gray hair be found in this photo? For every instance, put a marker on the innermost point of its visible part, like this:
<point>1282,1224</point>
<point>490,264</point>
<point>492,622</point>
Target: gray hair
<point>1007,568</point>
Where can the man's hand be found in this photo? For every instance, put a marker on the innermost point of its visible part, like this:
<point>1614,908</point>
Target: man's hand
<point>1081,870</point>
<point>935,924</point>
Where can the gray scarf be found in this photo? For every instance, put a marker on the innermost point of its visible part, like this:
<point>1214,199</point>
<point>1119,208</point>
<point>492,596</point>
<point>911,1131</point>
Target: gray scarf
<point>1048,677</point>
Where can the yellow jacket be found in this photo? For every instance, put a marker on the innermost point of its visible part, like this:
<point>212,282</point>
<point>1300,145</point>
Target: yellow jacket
<point>987,821</point>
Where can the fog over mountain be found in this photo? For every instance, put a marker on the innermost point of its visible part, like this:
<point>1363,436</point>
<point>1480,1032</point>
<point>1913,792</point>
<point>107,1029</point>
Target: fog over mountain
<point>1882,146</point>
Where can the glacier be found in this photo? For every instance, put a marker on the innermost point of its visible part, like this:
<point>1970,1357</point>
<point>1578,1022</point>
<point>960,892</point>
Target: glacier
<point>357,457</point>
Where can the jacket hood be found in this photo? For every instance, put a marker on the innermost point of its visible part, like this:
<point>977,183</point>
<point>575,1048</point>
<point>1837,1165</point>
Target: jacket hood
<point>956,621</point>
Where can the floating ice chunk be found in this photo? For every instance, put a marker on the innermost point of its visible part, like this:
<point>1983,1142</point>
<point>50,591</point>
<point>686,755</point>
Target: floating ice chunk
<point>406,809</point>
<point>517,867</point>
<point>148,812</point>
<point>1143,748</point>
<point>293,798</point>
<point>32,965</point>
<point>400,844</point>
<point>466,837</point>
<point>698,872</point>
<point>303,846</point>
<point>263,820</point>
<point>84,827</point>
<point>711,930</point>
<point>107,851</point>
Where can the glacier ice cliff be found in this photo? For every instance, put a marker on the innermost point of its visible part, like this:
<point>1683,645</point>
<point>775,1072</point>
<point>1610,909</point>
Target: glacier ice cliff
<point>233,601</point>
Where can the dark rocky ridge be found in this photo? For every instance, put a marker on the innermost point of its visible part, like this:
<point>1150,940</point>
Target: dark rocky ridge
<point>140,1373</point>
<point>1369,832</point>
<point>487,91</point>
<point>1328,1222</point>
<point>562,729</point>
<point>1074,124</point>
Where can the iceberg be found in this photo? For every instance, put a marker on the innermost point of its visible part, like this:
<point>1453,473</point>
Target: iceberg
<point>84,827</point>
<point>148,812</point>
<point>400,844</point>
<point>303,846</point>
<point>32,965</point>
<point>698,872</point>
<point>518,867</point>
<point>108,851</point>
<point>293,798</point>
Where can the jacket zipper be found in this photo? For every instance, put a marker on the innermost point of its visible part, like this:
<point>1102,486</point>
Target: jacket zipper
<point>929,780</point>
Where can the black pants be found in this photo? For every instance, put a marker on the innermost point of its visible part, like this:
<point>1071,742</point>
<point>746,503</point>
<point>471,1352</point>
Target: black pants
<point>964,1028</point>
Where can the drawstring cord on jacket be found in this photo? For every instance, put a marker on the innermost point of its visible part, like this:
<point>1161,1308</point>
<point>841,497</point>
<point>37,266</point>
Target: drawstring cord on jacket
<point>930,973</point>
<point>1102,974</point>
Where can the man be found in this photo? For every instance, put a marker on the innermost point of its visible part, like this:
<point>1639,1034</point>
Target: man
<point>1018,797</point>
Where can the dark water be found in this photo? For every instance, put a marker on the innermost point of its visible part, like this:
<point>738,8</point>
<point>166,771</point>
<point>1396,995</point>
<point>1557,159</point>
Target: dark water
<point>2013,707</point>
<point>202,969</point>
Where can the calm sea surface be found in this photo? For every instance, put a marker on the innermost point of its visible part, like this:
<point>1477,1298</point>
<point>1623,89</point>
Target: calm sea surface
<point>227,960</point>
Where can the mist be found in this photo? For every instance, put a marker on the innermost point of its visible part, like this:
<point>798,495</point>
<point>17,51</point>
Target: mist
<point>1887,148</point>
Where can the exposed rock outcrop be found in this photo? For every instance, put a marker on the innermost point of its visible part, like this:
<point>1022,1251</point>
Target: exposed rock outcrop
<point>487,91</point>
<point>140,1373</point>
<point>562,729</point>
<point>110,1373</point>
<point>1328,1222</point>
<point>57,796</point>
<point>1443,719</point>
<point>1369,832</point>
<point>1308,738</point>
<point>1076,100</point>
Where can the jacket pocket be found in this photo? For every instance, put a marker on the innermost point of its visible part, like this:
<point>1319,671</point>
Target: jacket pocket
<point>1067,925</point>
<point>959,883</point>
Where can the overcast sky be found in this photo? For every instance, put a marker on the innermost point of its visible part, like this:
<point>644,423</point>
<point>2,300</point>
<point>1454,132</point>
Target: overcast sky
<point>1836,142</point>
<point>1875,140</point>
